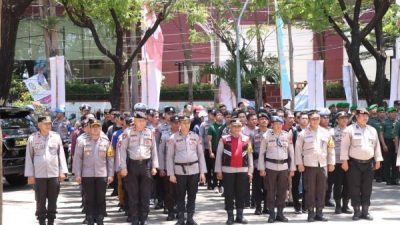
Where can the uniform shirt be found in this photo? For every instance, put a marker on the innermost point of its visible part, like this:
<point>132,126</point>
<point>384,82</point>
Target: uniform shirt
<point>315,148</point>
<point>375,123</point>
<point>138,145</point>
<point>360,143</point>
<point>396,129</point>
<point>214,132</point>
<point>114,143</point>
<point>337,137</point>
<point>256,143</point>
<point>204,132</point>
<point>162,150</point>
<point>63,128</point>
<point>160,130</point>
<point>227,169</point>
<point>388,127</point>
<point>185,149</point>
<point>279,147</point>
<point>248,131</point>
<point>45,156</point>
<point>93,158</point>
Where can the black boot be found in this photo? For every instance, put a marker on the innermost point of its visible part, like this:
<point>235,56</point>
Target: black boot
<point>311,215</point>
<point>171,215</point>
<point>181,219</point>
<point>99,220</point>
<point>338,209</point>
<point>320,216</point>
<point>42,221</point>
<point>239,217</point>
<point>329,203</point>
<point>280,217</point>
<point>160,205</point>
<point>345,207</point>
<point>357,213</point>
<point>258,210</point>
<point>230,220</point>
<point>271,218</point>
<point>50,221</point>
<point>365,214</point>
<point>90,220</point>
<point>190,220</point>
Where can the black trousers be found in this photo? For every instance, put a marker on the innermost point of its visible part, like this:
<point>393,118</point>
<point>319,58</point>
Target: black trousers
<point>159,187</point>
<point>340,187</point>
<point>277,184</point>
<point>389,169</point>
<point>315,186</point>
<point>329,187</point>
<point>257,190</point>
<point>46,190</point>
<point>170,194</point>
<point>211,177</point>
<point>235,188</point>
<point>359,178</point>
<point>94,189</point>
<point>186,184</point>
<point>139,185</point>
<point>296,190</point>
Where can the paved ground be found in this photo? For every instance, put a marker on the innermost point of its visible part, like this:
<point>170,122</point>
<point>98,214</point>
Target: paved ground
<point>19,208</point>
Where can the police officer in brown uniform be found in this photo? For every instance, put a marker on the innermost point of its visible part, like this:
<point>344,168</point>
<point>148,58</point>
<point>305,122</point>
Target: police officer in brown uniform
<point>185,167</point>
<point>94,169</point>
<point>45,167</point>
<point>360,154</point>
<point>234,165</point>
<point>139,161</point>
<point>170,188</point>
<point>275,161</point>
<point>315,156</point>
<point>340,186</point>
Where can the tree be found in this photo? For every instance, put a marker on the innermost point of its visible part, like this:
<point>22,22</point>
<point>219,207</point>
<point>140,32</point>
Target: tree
<point>344,18</point>
<point>11,14</point>
<point>118,16</point>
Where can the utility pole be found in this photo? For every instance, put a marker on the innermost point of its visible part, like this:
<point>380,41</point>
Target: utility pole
<point>1,134</point>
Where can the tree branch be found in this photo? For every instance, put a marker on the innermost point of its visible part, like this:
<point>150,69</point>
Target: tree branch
<point>370,48</point>
<point>119,32</point>
<point>357,10</point>
<point>345,14</point>
<point>337,29</point>
<point>377,17</point>
<point>19,8</point>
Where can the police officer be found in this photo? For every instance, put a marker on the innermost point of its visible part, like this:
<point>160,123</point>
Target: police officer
<point>139,161</point>
<point>45,167</point>
<point>63,127</point>
<point>170,188</point>
<point>94,169</point>
<point>389,172</point>
<point>185,166</point>
<point>234,164</point>
<point>360,149</point>
<point>204,126</point>
<point>275,161</point>
<point>314,153</point>
<point>340,187</point>
<point>258,187</point>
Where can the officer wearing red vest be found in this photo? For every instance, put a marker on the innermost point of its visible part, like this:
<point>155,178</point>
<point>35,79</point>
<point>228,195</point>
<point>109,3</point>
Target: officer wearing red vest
<point>234,165</point>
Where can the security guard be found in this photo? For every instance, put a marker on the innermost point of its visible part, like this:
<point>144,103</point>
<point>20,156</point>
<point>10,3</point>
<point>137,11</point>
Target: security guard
<point>340,186</point>
<point>258,186</point>
<point>234,165</point>
<point>389,170</point>
<point>139,161</point>
<point>360,148</point>
<point>275,161</point>
<point>185,166</point>
<point>314,153</point>
<point>170,188</point>
<point>94,169</point>
<point>45,167</point>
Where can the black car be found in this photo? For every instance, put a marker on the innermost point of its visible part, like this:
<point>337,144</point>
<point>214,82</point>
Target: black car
<point>16,127</point>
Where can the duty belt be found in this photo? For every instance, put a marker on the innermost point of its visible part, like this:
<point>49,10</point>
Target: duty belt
<point>277,161</point>
<point>361,161</point>
<point>183,165</point>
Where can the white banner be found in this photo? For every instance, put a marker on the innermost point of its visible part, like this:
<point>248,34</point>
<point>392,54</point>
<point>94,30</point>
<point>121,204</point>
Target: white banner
<point>151,79</point>
<point>315,83</point>
<point>39,88</point>
<point>349,81</point>
<point>57,81</point>
<point>394,82</point>
<point>226,96</point>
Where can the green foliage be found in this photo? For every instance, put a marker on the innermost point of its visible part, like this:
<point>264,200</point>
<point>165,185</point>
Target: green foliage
<point>78,90</point>
<point>19,94</point>
<point>179,92</point>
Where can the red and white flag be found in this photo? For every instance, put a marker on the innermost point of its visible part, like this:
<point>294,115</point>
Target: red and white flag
<point>151,63</point>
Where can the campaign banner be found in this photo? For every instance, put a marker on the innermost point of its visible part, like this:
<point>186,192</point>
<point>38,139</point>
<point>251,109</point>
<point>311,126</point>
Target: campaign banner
<point>39,88</point>
<point>57,81</point>
<point>315,83</point>
<point>349,83</point>
<point>394,82</point>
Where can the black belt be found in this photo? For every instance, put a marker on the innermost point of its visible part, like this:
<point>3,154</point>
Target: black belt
<point>276,161</point>
<point>140,161</point>
<point>361,161</point>
<point>186,164</point>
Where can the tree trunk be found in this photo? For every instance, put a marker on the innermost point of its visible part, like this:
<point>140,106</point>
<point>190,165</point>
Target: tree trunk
<point>291,50</point>
<point>115,98</point>
<point>48,9</point>
<point>258,81</point>
<point>10,17</point>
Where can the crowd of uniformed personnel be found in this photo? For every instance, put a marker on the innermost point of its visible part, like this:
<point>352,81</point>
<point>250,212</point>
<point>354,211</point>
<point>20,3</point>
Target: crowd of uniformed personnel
<point>266,159</point>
